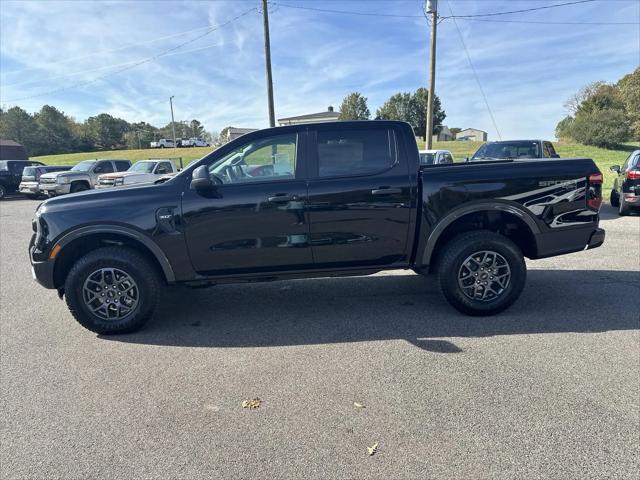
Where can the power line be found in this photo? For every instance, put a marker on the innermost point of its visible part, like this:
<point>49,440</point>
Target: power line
<point>105,67</point>
<point>542,22</point>
<point>475,74</point>
<point>141,62</point>
<point>533,9</point>
<point>102,52</point>
<point>344,12</point>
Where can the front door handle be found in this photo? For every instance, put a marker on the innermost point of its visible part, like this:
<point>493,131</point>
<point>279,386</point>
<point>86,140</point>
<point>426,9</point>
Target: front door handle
<point>385,191</point>
<point>282,197</point>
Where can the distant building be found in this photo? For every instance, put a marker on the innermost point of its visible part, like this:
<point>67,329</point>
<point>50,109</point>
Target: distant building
<point>233,133</point>
<point>444,135</point>
<point>10,150</point>
<point>472,134</point>
<point>328,116</point>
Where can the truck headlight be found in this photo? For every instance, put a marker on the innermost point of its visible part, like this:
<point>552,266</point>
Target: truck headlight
<point>62,180</point>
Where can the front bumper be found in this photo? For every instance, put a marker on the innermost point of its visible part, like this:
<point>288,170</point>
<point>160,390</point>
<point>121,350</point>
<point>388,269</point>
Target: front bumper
<point>54,189</point>
<point>42,272</point>
<point>29,188</point>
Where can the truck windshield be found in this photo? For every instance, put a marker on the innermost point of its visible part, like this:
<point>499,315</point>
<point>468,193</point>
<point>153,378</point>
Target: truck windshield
<point>83,166</point>
<point>507,150</point>
<point>143,167</point>
<point>29,171</point>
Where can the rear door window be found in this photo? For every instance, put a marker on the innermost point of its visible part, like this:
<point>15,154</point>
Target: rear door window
<point>122,166</point>
<point>346,152</point>
<point>103,167</point>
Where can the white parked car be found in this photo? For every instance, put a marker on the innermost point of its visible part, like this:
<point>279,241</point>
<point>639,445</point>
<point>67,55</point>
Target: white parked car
<point>163,143</point>
<point>145,171</point>
<point>194,142</point>
<point>435,157</point>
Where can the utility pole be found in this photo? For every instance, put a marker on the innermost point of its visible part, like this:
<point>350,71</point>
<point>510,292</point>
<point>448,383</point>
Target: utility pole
<point>432,10</point>
<point>267,57</point>
<point>173,123</point>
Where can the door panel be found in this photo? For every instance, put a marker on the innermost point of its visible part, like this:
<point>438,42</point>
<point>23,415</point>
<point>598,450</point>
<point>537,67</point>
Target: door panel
<point>238,230</point>
<point>362,219</point>
<point>254,219</point>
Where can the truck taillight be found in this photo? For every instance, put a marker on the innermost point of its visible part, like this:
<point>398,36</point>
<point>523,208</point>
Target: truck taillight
<point>633,175</point>
<point>594,194</point>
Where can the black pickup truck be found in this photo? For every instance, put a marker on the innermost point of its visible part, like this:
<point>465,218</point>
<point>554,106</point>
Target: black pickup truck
<point>332,199</point>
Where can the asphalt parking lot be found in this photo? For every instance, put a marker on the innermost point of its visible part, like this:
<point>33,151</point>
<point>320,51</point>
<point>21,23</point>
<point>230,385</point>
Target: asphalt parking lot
<point>548,389</point>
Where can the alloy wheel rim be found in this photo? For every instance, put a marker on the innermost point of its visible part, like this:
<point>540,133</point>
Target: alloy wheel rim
<point>484,276</point>
<point>110,293</point>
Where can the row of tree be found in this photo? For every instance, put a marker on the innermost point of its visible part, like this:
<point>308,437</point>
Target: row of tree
<point>50,131</point>
<point>603,114</point>
<point>405,106</point>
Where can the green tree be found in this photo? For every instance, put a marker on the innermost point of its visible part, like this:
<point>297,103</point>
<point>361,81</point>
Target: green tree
<point>606,127</point>
<point>354,107</point>
<point>196,129</point>
<point>412,108</point>
<point>17,125</point>
<point>629,92</point>
<point>107,132</point>
<point>454,131</point>
<point>564,129</point>
<point>55,132</point>
<point>420,99</point>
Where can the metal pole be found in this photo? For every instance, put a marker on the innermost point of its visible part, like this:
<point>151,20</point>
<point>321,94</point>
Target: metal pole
<point>267,57</point>
<point>173,122</point>
<point>433,10</point>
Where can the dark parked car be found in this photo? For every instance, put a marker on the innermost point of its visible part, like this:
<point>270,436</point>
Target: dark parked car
<point>514,150</point>
<point>626,189</point>
<point>330,199</point>
<point>31,178</point>
<point>11,174</point>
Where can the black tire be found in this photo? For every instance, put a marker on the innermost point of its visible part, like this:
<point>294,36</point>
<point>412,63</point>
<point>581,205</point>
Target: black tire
<point>459,250</point>
<point>3,192</point>
<point>623,207</point>
<point>146,282</point>
<point>614,198</point>
<point>79,187</point>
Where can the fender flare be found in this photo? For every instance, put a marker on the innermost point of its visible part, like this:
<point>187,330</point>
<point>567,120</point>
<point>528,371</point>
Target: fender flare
<point>451,217</point>
<point>155,250</point>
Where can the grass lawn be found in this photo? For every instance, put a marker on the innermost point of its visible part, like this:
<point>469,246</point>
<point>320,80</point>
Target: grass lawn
<point>603,158</point>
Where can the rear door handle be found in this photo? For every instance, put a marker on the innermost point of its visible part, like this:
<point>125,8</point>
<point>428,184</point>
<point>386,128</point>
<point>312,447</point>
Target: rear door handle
<point>385,191</point>
<point>282,197</point>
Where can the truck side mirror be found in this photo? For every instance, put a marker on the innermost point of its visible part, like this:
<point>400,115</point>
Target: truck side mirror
<point>200,179</point>
<point>615,168</point>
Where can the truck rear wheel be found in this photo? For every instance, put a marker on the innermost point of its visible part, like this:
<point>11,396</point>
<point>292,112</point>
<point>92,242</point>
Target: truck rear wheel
<point>481,273</point>
<point>112,290</point>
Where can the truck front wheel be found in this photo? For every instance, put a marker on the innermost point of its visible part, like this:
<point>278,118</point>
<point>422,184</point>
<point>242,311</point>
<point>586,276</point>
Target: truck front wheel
<point>112,290</point>
<point>481,273</point>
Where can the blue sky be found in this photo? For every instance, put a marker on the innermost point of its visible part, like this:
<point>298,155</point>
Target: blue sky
<point>81,57</point>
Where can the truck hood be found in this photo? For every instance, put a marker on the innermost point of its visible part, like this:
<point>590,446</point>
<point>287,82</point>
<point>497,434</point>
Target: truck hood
<point>122,174</point>
<point>62,174</point>
<point>90,199</point>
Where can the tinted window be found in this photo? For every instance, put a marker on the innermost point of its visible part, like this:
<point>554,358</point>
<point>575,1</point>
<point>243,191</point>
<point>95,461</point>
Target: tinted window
<point>552,151</point>
<point>355,152</point>
<point>17,167</point>
<point>122,166</point>
<point>507,150</point>
<point>426,158</point>
<point>163,168</point>
<point>103,167</point>
<point>271,158</point>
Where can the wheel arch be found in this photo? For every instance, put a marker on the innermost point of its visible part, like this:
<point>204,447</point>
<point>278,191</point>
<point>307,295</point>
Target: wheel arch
<point>503,218</point>
<point>77,243</point>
